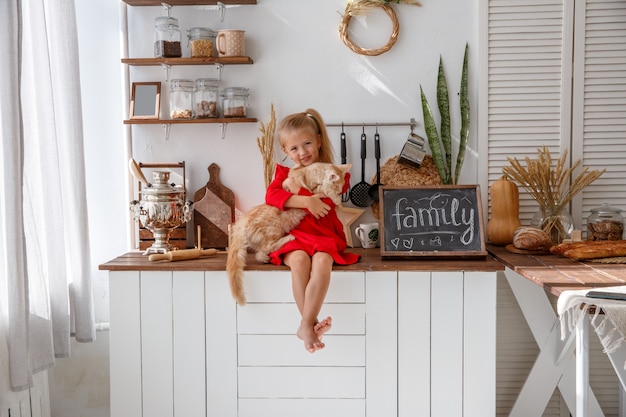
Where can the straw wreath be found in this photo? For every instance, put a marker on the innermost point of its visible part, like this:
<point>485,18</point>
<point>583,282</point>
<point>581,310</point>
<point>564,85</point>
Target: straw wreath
<point>266,146</point>
<point>362,7</point>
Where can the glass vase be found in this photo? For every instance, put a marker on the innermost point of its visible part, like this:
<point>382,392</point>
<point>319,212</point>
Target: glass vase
<point>557,224</point>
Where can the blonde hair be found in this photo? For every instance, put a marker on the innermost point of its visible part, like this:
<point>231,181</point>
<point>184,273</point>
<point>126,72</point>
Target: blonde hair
<point>311,121</point>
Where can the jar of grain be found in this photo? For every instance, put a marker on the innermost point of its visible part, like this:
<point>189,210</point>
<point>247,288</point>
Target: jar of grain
<point>201,41</point>
<point>205,98</point>
<point>167,38</point>
<point>181,99</point>
<point>235,102</point>
<point>605,223</point>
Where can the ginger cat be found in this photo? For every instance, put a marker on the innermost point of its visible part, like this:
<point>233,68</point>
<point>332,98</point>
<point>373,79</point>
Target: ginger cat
<point>266,228</point>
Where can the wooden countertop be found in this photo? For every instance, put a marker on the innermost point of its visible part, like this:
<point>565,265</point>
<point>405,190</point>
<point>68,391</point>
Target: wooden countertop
<point>557,273</point>
<point>370,261</point>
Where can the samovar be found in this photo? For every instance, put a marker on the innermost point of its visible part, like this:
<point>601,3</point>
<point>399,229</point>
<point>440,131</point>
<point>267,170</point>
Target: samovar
<point>162,209</point>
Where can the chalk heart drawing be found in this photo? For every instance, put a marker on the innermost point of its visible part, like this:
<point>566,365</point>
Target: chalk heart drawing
<point>395,241</point>
<point>408,243</point>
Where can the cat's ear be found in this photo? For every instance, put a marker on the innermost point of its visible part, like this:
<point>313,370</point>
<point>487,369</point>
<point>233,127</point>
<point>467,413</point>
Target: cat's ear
<point>345,167</point>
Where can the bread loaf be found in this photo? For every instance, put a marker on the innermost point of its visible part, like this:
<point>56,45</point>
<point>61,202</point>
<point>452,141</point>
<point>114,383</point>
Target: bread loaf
<point>531,238</point>
<point>561,248</point>
<point>607,249</point>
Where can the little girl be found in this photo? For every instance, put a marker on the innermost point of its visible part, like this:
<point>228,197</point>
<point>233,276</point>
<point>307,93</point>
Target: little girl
<point>319,238</point>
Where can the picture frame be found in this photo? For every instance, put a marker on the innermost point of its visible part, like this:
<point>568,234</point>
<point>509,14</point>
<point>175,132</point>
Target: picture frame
<point>145,102</point>
<point>431,221</point>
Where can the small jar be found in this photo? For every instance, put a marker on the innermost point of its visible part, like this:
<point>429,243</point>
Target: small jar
<point>605,223</point>
<point>201,42</point>
<point>235,102</point>
<point>181,99</point>
<point>205,98</point>
<point>167,38</point>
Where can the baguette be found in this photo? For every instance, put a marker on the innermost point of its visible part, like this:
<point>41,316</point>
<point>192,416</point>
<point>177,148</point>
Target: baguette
<point>561,248</point>
<point>606,249</point>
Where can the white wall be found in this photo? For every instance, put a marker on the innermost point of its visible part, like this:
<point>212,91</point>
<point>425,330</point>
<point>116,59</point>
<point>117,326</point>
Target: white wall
<point>299,62</point>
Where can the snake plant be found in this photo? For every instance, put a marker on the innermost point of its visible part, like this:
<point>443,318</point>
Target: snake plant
<point>441,146</point>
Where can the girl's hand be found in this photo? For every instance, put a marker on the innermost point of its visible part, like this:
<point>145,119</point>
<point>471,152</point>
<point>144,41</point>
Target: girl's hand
<point>317,207</point>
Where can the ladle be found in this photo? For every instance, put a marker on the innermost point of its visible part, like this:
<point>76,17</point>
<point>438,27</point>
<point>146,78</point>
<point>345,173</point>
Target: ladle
<point>373,191</point>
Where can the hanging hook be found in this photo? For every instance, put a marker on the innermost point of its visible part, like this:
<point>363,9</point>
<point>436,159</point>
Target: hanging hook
<point>342,127</point>
<point>363,128</point>
<point>223,129</point>
<point>222,9</point>
<point>376,127</point>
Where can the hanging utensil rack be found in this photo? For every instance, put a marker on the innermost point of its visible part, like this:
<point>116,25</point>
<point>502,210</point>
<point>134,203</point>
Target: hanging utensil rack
<point>412,124</point>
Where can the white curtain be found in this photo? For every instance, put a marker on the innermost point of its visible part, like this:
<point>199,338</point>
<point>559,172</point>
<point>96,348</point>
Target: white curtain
<point>45,292</point>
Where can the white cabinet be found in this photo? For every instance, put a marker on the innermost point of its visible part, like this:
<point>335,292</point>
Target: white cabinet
<point>402,344</point>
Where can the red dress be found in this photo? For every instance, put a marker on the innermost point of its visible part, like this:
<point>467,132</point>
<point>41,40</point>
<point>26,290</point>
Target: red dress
<point>311,235</point>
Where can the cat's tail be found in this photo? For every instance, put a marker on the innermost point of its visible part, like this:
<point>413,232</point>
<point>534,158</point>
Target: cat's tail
<point>236,263</point>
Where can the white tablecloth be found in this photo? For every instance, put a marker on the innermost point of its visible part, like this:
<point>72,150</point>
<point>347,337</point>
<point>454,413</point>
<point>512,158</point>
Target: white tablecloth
<point>610,326</point>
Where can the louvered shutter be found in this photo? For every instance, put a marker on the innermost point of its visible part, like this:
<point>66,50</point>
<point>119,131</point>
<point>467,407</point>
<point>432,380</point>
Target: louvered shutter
<point>554,75</point>
<point>599,122</point>
<point>529,62</point>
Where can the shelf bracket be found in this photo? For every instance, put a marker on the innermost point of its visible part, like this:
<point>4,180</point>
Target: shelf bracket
<point>167,128</point>
<point>219,66</point>
<point>167,7</point>
<point>166,67</point>
<point>222,9</point>
<point>223,129</point>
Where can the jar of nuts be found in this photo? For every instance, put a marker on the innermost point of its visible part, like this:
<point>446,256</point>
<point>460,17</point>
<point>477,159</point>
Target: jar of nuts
<point>167,38</point>
<point>205,98</point>
<point>201,41</point>
<point>181,99</point>
<point>605,223</point>
<point>235,102</point>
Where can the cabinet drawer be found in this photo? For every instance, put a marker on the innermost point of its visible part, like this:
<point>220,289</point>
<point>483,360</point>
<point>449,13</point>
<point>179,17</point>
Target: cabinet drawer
<point>264,286</point>
<point>285,318</point>
<point>309,407</point>
<point>288,350</point>
<point>301,382</point>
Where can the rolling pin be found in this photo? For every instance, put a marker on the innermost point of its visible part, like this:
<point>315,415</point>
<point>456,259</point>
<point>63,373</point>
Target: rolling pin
<point>184,254</point>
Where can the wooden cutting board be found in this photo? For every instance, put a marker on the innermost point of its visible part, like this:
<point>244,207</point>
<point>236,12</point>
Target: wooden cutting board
<point>214,211</point>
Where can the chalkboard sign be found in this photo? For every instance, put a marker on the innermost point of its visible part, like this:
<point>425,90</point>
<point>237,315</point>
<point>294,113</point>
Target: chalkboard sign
<point>444,220</point>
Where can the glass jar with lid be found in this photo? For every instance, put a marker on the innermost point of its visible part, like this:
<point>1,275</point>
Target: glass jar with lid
<point>205,98</point>
<point>167,38</point>
<point>235,102</point>
<point>201,42</point>
<point>181,99</point>
<point>605,223</point>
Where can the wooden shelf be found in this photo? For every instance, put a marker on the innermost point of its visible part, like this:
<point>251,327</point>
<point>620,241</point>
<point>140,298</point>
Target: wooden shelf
<point>189,121</point>
<point>231,60</point>
<point>185,2</point>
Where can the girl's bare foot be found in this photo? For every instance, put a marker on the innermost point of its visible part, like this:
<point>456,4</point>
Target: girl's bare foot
<point>312,342</point>
<point>323,326</point>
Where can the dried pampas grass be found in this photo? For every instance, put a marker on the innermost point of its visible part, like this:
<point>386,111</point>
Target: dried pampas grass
<point>547,181</point>
<point>266,146</point>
